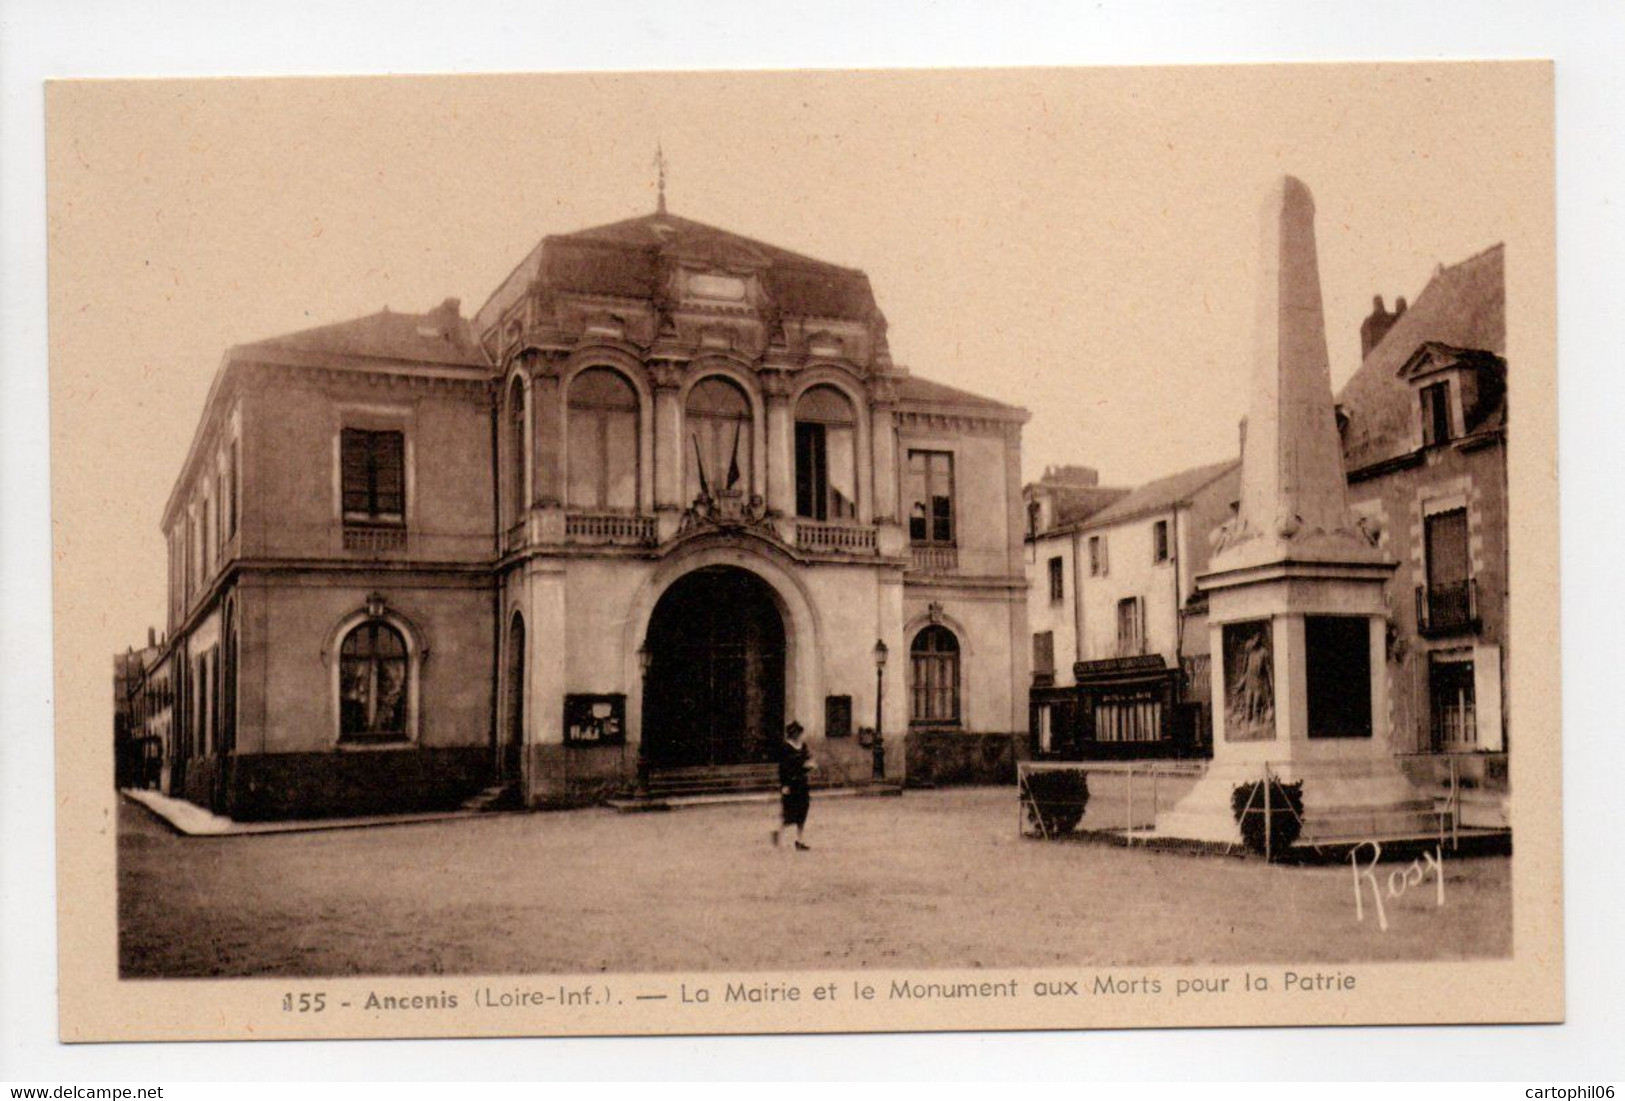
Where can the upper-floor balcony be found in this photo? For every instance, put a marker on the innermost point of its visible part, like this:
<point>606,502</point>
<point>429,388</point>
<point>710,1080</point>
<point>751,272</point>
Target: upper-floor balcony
<point>933,558</point>
<point>610,528</point>
<point>836,537</point>
<point>1447,609</point>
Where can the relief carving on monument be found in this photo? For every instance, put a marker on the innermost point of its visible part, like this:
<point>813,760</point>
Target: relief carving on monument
<point>1249,682</point>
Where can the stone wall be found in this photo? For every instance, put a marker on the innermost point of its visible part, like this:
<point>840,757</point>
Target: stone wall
<point>352,782</point>
<point>939,758</point>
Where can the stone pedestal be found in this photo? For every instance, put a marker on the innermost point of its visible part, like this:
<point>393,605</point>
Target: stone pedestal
<point>1293,700</point>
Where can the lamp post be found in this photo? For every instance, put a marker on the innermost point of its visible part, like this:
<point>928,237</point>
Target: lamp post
<point>880,697</point>
<point>645,656</point>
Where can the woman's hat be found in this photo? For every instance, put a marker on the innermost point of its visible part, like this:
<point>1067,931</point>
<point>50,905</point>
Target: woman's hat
<point>793,730</point>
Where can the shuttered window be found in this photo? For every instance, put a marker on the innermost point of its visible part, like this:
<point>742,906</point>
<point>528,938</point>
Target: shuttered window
<point>374,476</point>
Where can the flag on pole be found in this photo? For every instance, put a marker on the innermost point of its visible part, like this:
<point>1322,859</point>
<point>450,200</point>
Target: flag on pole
<point>699,462</point>
<point>733,463</point>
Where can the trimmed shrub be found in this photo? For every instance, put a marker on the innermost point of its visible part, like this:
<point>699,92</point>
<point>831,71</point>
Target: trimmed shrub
<point>1285,813</point>
<point>1055,799</point>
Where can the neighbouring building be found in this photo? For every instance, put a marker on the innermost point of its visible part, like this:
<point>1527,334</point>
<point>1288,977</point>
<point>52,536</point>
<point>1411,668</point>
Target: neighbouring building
<point>140,715</point>
<point>665,492</point>
<point>1057,505</point>
<point>1423,423</point>
<point>1111,601</point>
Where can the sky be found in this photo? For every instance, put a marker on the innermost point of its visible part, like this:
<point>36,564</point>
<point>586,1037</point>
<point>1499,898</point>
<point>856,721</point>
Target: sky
<point>1082,243</point>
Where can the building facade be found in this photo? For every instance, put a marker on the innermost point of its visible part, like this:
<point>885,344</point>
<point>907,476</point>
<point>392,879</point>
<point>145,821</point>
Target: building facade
<point>1113,598</point>
<point>665,492</point>
<point>1424,439</point>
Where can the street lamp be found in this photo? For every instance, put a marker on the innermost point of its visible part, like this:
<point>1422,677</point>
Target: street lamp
<point>880,696</point>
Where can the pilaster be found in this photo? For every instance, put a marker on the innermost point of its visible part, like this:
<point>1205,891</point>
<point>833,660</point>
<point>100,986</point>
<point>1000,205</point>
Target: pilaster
<point>781,458</point>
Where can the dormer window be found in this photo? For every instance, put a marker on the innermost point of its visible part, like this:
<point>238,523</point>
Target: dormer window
<point>1435,414</point>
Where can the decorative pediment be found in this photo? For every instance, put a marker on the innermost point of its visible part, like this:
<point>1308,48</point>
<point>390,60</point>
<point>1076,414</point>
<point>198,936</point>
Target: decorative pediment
<point>1432,357</point>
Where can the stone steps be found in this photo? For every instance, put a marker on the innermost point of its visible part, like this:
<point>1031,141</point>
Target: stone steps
<point>503,796</point>
<point>1358,823</point>
<point>719,780</point>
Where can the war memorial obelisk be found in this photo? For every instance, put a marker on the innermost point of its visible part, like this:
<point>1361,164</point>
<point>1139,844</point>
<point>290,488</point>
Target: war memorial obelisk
<point>1297,612</point>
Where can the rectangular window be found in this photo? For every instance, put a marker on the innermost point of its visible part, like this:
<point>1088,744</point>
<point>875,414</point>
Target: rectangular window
<point>931,497</point>
<point>374,476</point>
<point>1448,560</point>
<point>812,472</point>
<point>1337,664</point>
<point>1097,556</point>
<point>1129,716</point>
<point>1130,629</point>
<point>1045,728</point>
<point>1057,581</point>
<point>1435,414</point>
<point>1044,653</point>
<point>1159,541</point>
<point>603,458</point>
<point>1454,705</point>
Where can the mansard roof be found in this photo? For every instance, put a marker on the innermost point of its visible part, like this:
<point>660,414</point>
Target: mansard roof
<point>626,259</point>
<point>1463,308</point>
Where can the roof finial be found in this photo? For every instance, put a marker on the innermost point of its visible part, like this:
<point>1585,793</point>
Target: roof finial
<point>660,170</point>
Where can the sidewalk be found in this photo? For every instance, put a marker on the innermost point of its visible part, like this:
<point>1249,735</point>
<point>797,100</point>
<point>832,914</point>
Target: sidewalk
<point>193,821</point>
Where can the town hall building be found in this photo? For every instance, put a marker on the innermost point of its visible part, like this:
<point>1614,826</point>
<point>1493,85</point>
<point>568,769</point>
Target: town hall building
<point>665,492</point>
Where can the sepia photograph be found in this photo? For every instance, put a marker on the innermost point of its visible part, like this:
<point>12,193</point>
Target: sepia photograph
<point>805,551</point>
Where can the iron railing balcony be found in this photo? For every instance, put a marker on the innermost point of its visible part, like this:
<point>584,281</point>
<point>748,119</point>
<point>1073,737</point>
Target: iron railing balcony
<point>1447,609</point>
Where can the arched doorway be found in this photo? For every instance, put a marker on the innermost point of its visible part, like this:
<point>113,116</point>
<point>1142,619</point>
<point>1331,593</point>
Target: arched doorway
<point>513,735</point>
<point>714,692</point>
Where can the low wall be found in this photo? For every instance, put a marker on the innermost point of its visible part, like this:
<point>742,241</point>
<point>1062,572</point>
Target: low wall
<point>353,782</point>
<point>559,776</point>
<point>940,757</point>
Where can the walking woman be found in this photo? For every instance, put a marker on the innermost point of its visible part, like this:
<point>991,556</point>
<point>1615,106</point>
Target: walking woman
<point>795,766</point>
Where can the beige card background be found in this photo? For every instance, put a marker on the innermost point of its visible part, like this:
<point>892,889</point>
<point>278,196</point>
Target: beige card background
<point>179,224</point>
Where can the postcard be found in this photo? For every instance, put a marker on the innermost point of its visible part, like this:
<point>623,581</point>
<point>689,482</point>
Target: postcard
<point>686,553</point>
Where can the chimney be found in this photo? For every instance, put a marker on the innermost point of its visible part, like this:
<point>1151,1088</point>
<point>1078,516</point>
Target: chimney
<point>152,638</point>
<point>1375,327</point>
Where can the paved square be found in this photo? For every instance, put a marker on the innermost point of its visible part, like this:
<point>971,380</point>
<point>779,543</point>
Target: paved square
<point>933,879</point>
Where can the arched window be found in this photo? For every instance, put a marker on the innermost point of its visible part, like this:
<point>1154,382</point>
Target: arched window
<point>603,458</point>
<point>718,455</point>
<point>826,455</point>
<point>934,676</point>
<point>518,458</point>
<point>372,684</point>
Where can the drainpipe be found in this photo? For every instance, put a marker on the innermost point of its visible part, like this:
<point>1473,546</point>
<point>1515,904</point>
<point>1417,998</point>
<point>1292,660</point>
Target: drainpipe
<point>1077,596</point>
<point>1179,591</point>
